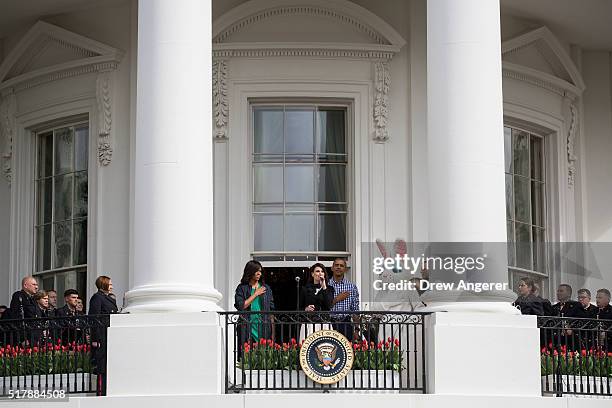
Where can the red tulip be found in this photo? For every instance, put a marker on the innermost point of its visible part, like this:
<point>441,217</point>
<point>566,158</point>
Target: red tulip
<point>396,341</point>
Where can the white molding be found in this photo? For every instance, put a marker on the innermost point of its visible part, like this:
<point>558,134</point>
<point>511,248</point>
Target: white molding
<point>104,86</point>
<point>544,35</point>
<point>539,79</point>
<point>382,84</point>
<point>8,106</point>
<point>570,111</point>
<point>237,247</point>
<point>97,57</point>
<point>309,50</point>
<point>220,102</point>
<point>23,193</point>
<point>342,10</point>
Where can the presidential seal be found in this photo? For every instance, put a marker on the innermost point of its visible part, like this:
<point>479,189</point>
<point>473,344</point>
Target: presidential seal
<point>326,356</point>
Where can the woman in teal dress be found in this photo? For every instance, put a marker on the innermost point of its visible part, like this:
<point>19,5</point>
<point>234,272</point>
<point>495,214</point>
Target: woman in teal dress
<point>252,294</point>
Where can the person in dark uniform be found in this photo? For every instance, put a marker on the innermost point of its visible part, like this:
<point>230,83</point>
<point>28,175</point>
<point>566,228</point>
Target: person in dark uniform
<point>253,295</point>
<point>101,304</point>
<point>528,302</point>
<point>52,302</point>
<point>22,305</point>
<point>70,332</point>
<point>581,330</point>
<point>565,304</point>
<point>40,334</point>
<point>604,314</point>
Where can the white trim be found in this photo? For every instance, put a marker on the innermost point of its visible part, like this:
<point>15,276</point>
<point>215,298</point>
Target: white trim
<point>237,247</point>
<point>558,218</point>
<point>23,193</point>
<point>545,35</point>
<point>97,57</point>
<point>254,10</point>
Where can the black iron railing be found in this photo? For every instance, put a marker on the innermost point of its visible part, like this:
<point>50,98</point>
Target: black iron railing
<point>262,350</point>
<point>576,356</point>
<point>53,354</point>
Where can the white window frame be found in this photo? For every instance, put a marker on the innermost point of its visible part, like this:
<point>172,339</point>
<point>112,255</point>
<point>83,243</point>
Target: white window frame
<point>320,102</point>
<point>23,192</point>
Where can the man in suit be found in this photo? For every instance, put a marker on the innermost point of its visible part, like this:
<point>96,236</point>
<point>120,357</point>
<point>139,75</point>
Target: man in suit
<point>71,298</point>
<point>52,302</point>
<point>604,312</point>
<point>22,304</point>
<point>565,304</point>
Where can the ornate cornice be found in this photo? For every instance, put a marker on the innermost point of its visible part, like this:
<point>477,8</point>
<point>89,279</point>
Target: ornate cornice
<point>541,80</point>
<point>308,50</point>
<point>220,102</point>
<point>57,75</point>
<point>300,10</point>
<point>104,105</point>
<point>382,82</point>
<point>8,105</point>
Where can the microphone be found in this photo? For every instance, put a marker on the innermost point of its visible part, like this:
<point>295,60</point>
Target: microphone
<point>297,279</point>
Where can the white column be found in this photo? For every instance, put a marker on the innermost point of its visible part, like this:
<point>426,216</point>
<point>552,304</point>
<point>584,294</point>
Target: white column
<point>465,133</point>
<point>467,204</point>
<point>173,186</point>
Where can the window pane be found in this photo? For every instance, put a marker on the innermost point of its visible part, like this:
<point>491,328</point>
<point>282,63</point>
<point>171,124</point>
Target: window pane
<point>537,203</point>
<point>299,134</point>
<point>509,198</point>
<point>522,203</point>
<point>332,232</point>
<point>523,246</point>
<point>268,183</point>
<point>43,248</point>
<point>268,234</point>
<point>80,194</point>
<point>510,234</point>
<point>268,208</point>
<point>63,240</point>
<point>520,152</point>
<point>300,208</point>
<point>268,130</point>
<point>299,183</point>
<point>80,243</point>
<point>45,200</point>
<point>81,150</point>
<point>64,150</point>
<point>332,179</point>
<point>508,149</point>
<point>331,131</point>
<point>63,198</point>
<point>45,154</point>
<point>299,232</point>
<point>538,249</point>
<point>537,160</point>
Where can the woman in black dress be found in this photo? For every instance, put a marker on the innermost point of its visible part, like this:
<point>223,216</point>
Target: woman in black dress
<point>316,296</point>
<point>101,303</point>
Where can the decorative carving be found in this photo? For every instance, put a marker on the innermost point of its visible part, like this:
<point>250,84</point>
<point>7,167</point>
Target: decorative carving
<point>8,105</point>
<point>301,10</point>
<point>221,105</point>
<point>382,81</point>
<point>376,53</point>
<point>42,79</point>
<point>103,97</point>
<point>572,125</point>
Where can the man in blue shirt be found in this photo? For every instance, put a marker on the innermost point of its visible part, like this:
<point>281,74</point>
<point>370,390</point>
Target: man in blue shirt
<point>346,298</point>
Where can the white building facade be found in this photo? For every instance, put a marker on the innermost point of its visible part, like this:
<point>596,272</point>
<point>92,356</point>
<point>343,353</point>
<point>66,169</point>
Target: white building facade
<point>327,124</point>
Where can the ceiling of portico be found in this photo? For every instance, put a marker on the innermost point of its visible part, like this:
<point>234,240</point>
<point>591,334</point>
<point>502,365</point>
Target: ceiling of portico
<point>582,22</point>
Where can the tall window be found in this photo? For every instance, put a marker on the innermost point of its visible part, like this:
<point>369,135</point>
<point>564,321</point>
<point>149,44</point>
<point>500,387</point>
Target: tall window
<point>61,208</point>
<point>300,202</point>
<point>525,205</point>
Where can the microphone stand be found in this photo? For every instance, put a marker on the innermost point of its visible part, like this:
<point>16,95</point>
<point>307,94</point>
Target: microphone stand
<point>297,298</point>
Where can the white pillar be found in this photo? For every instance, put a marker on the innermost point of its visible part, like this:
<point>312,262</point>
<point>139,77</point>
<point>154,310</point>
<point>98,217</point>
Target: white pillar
<point>173,186</point>
<point>465,137</point>
<point>467,204</point>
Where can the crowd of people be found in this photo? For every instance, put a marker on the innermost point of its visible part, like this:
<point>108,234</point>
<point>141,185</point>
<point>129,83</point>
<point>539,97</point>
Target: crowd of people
<point>531,303</point>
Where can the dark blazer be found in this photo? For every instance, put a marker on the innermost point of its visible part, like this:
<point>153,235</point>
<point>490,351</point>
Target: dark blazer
<point>101,303</point>
<point>22,306</point>
<point>530,305</point>
<point>565,309</point>
<point>322,300</point>
<point>604,313</point>
<point>582,312</point>
<point>65,311</point>
<point>243,292</point>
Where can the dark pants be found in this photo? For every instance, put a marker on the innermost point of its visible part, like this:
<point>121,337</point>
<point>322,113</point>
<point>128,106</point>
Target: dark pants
<point>345,326</point>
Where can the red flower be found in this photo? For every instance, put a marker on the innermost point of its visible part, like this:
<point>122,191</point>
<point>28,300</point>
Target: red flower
<point>379,346</point>
<point>263,342</point>
<point>389,339</point>
<point>277,347</point>
<point>36,349</point>
<point>56,347</point>
<point>270,343</point>
<point>293,341</point>
<point>396,342</point>
<point>583,353</point>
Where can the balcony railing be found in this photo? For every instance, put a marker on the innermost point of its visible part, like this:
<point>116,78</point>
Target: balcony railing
<point>268,351</point>
<point>56,355</point>
<point>576,356</point>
